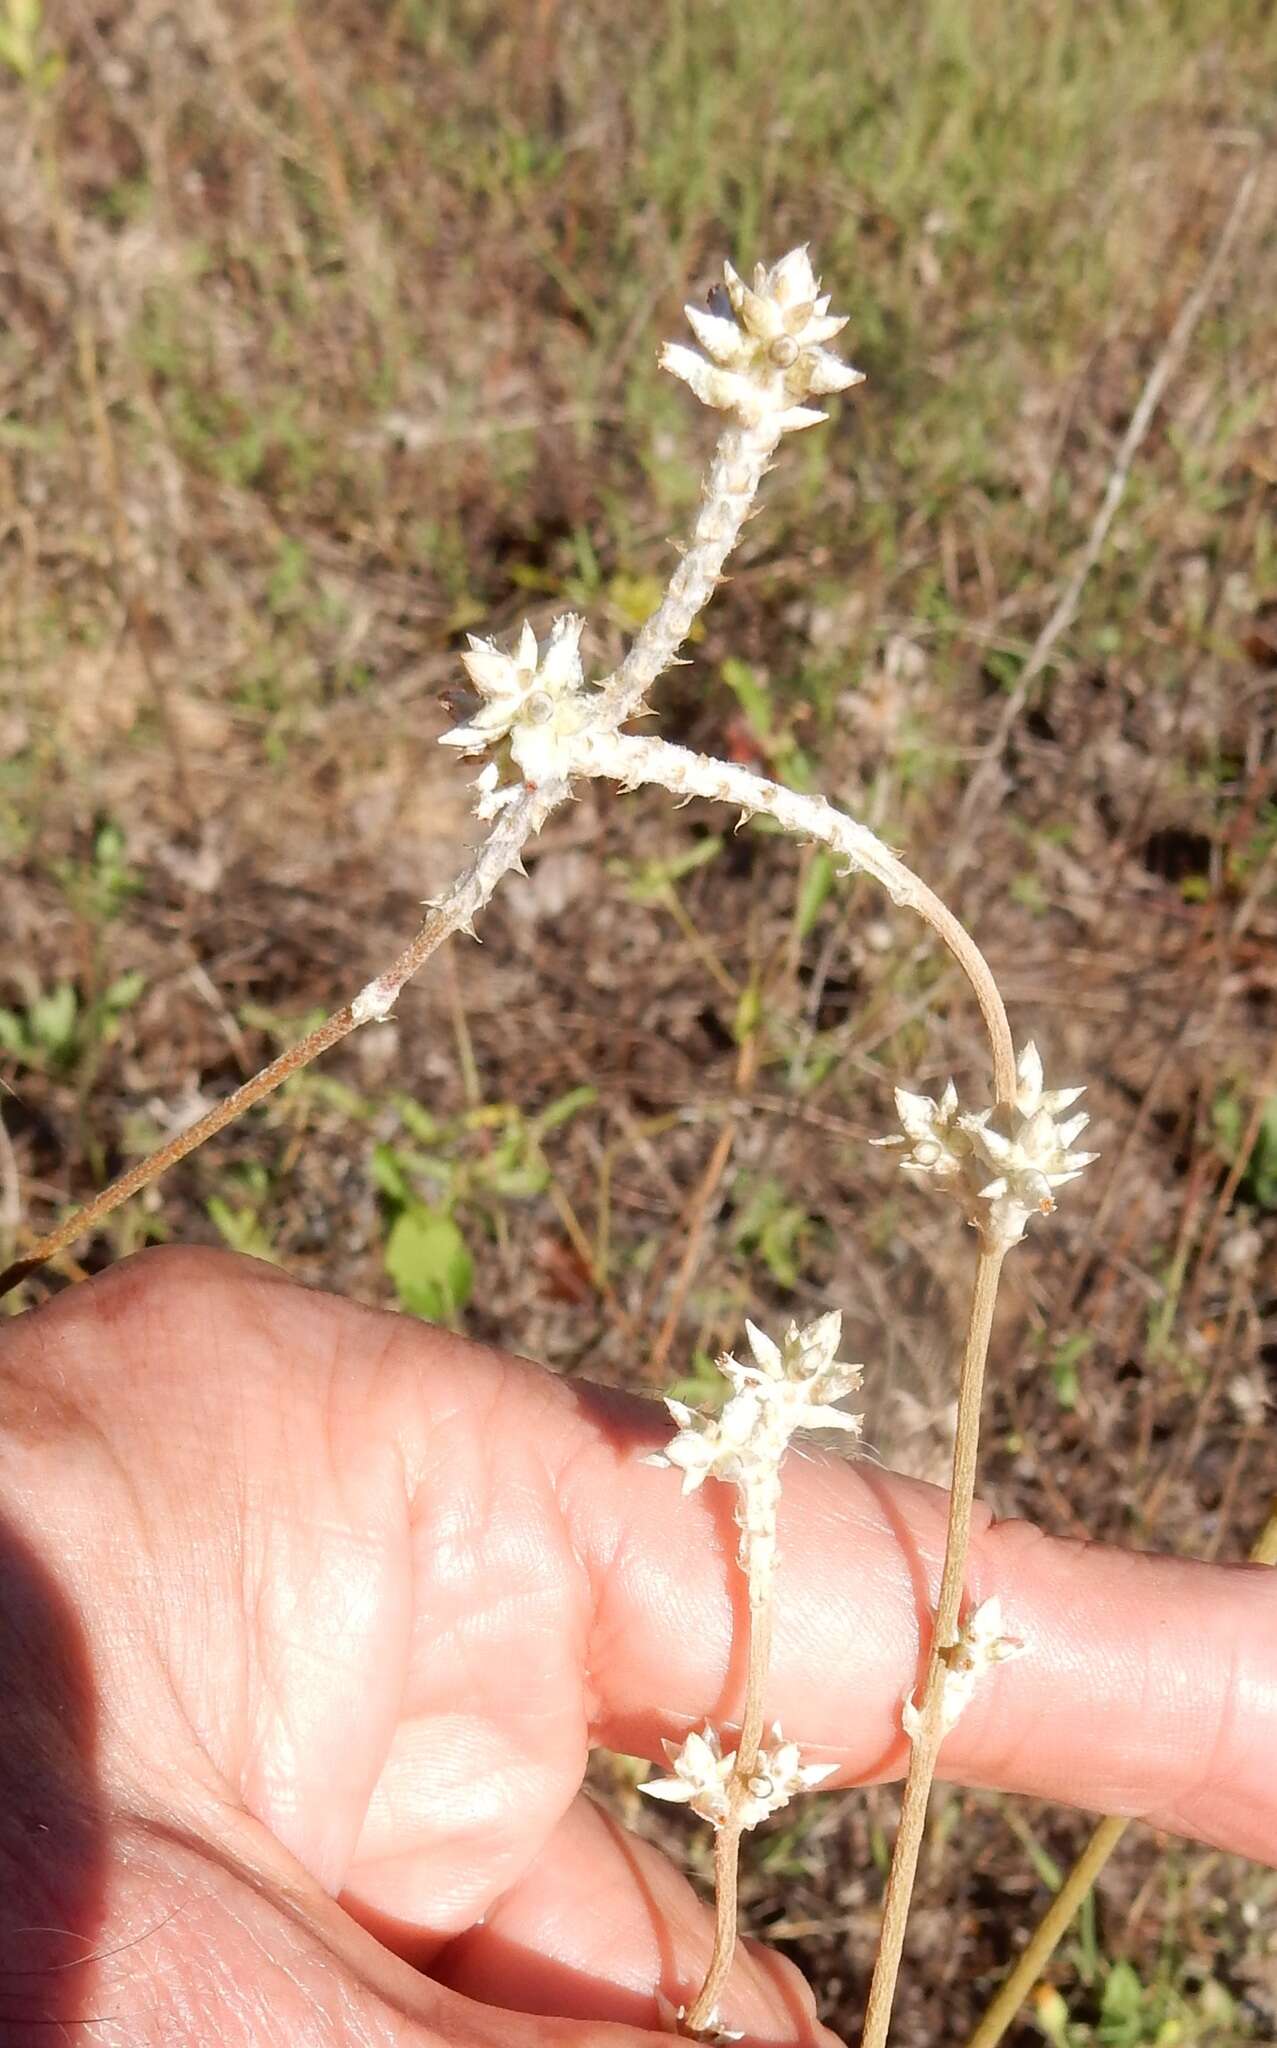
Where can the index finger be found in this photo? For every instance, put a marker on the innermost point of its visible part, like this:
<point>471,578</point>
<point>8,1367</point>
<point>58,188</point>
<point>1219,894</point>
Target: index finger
<point>1149,1686</point>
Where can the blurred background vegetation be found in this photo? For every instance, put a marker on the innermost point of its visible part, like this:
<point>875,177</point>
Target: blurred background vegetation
<point>330,333</point>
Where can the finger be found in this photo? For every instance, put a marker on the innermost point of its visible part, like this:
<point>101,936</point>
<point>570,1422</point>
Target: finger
<point>603,1927</point>
<point>1149,1686</point>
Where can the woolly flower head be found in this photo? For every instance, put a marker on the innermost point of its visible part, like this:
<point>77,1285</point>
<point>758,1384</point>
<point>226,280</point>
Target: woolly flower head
<point>981,1644</point>
<point>1024,1147</point>
<point>790,1386</point>
<point>702,1777</point>
<point>764,347</point>
<point>535,697</point>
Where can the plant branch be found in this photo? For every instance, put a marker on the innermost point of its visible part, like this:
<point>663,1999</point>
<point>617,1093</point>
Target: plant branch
<point>736,470</point>
<point>740,462</point>
<point>500,852</point>
<point>926,1745</point>
<point>630,760</point>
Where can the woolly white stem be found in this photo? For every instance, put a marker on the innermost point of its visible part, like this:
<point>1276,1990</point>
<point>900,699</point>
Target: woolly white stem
<point>740,462</point>
<point>630,760</point>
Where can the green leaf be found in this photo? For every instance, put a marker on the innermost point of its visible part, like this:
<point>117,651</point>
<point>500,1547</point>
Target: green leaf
<point>15,53</point>
<point>518,1183</point>
<point>241,1229</point>
<point>13,1036</point>
<point>427,1258</point>
<point>1261,1175</point>
<point>423,1127</point>
<point>53,1020</point>
<point>566,1106</point>
<point>124,991</point>
<point>817,883</point>
<point>749,1013</point>
<point>651,880</point>
<point>1123,1994</point>
<point>1052,2016</point>
<point>751,694</point>
<point>389,1176</point>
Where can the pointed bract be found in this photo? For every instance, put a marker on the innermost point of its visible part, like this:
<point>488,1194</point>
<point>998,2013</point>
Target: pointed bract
<point>702,1778</point>
<point>536,698</point>
<point>1030,1154</point>
<point>761,364</point>
<point>790,1386</point>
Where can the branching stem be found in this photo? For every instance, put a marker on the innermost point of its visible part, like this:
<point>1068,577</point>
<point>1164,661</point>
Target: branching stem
<point>767,360</point>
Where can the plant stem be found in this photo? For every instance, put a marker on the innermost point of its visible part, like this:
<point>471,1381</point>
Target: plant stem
<point>926,1747</point>
<point>1055,1921</point>
<point>728,1838</point>
<point>628,759</point>
<point>499,853</point>
<point>739,463</point>
<point>1048,1932</point>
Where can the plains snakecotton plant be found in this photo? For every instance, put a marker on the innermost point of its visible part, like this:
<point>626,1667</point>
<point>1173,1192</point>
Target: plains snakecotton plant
<point>763,358</point>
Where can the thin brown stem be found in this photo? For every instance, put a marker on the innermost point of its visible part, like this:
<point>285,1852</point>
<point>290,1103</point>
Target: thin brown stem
<point>1048,1932</point>
<point>499,853</point>
<point>728,1838</point>
<point>692,1222</point>
<point>926,1746</point>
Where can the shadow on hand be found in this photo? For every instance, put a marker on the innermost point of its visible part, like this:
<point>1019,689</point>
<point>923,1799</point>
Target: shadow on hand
<point>53,1836</point>
<point>505,1972</point>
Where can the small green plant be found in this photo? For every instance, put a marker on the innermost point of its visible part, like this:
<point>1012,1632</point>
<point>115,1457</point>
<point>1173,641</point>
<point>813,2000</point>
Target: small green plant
<point>1171,2011</point>
<point>238,1215</point>
<point>444,1178</point>
<point>99,888</point>
<point>57,1030</point>
<point>1259,1180</point>
<point>21,26</point>
<point>767,1225</point>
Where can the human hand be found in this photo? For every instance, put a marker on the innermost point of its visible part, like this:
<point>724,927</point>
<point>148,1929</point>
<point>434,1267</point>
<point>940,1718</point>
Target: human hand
<point>309,1616</point>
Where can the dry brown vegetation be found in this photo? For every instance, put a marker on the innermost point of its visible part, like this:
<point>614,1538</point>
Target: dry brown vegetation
<point>330,333</point>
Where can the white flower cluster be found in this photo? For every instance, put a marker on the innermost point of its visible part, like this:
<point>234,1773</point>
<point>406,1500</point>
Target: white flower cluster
<point>535,698</point>
<point>790,1386</point>
<point>764,353</point>
<point>1003,1165</point>
<point>702,1779</point>
<point>980,1645</point>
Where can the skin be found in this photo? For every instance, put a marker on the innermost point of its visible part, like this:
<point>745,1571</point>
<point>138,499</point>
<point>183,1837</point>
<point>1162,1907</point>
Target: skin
<point>310,1615</point>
